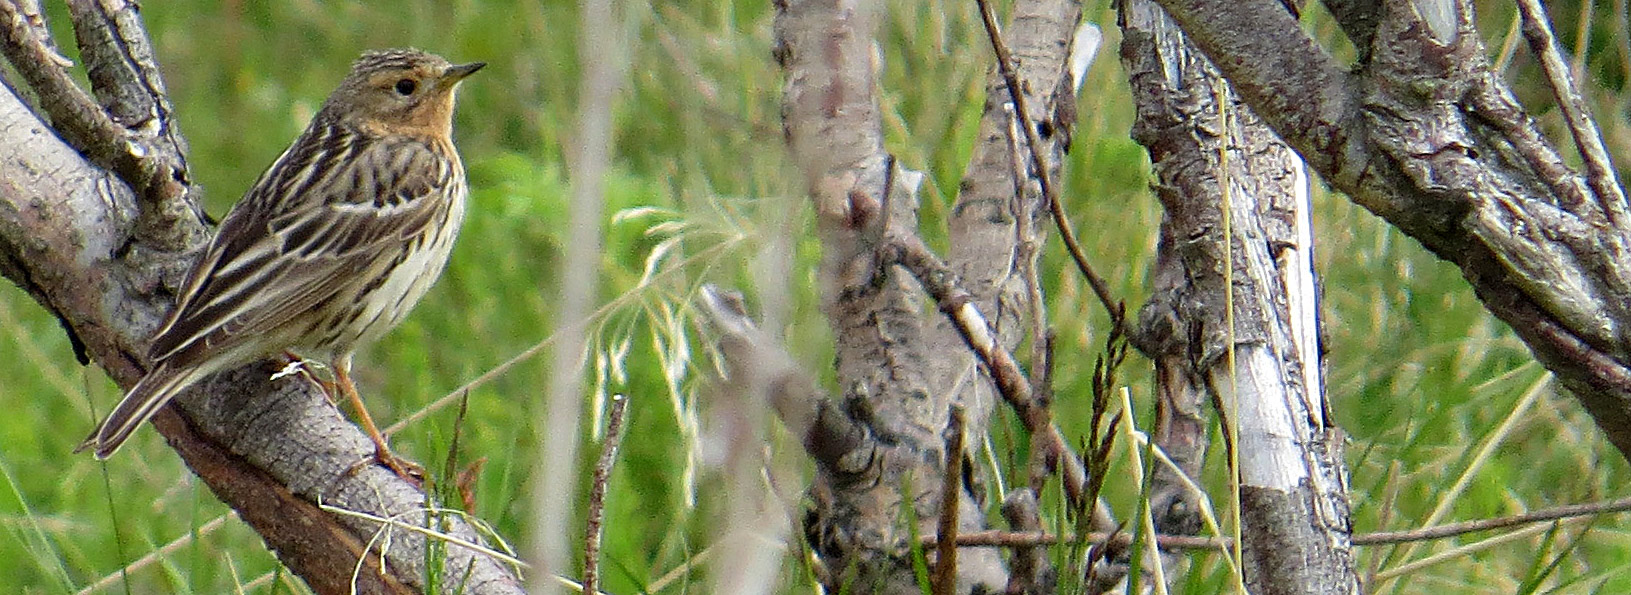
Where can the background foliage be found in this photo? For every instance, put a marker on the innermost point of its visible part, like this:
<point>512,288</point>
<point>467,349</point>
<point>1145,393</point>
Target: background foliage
<point>1449,418</point>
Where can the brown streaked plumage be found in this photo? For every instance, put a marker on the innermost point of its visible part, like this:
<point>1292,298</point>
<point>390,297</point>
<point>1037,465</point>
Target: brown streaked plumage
<point>329,249</point>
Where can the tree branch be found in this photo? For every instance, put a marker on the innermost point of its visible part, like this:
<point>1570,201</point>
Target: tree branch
<point>1537,28</point>
<point>125,77</point>
<point>957,304</point>
<point>753,359</point>
<point>73,112</point>
<point>951,484</point>
<point>597,494</point>
<point>1426,136</point>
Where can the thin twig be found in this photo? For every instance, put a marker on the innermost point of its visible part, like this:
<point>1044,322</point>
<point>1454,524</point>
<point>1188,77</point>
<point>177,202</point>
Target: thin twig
<point>958,305</point>
<point>1120,539</point>
<point>1454,529</point>
<point>1005,65</point>
<point>1038,538</point>
<point>1025,240</point>
<point>1467,551</point>
<point>597,493</point>
<point>1588,138</point>
<point>945,559</point>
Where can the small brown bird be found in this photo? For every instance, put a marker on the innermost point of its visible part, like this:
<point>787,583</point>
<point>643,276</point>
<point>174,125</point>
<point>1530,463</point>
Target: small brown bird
<point>329,249</point>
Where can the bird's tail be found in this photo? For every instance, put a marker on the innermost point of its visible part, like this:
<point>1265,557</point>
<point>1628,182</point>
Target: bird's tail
<point>160,385</point>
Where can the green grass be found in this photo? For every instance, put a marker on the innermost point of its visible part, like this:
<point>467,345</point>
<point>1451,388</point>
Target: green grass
<point>1420,376</point>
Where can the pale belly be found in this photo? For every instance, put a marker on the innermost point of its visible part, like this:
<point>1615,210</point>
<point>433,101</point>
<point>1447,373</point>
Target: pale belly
<point>391,301</point>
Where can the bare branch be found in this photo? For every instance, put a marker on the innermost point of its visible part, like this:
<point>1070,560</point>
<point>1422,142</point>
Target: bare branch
<point>1231,317</point>
<point>1537,28</point>
<point>125,77</point>
<point>956,303</point>
<point>1426,136</point>
<point>123,71</point>
<point>1034,538</point>
<point>72,111</point>
<point>597,494</point>
<point>834,131</point>
<point>1298,87</point>
<point>951,486</point>
<point>1463,528</point>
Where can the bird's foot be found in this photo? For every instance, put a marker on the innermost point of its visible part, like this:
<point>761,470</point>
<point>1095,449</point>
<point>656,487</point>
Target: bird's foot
<point>409,471</point>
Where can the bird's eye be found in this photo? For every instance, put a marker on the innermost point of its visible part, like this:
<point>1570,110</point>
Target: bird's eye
<point>405,87</point>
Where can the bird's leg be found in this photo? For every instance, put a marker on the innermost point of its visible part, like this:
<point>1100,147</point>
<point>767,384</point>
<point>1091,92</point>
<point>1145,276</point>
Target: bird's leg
<point>300,366</point>
<point>407,470</point>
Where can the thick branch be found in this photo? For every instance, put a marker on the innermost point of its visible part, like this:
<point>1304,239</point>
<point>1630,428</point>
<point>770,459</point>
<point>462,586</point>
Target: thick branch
<point>1298,87</point>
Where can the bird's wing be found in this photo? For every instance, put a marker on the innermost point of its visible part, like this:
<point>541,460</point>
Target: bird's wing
<point>302,234</point>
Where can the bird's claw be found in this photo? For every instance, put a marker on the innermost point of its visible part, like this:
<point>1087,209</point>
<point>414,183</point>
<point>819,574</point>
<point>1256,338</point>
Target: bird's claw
<point>409,471</point>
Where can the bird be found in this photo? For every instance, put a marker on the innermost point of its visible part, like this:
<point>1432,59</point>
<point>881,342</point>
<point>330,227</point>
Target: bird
<point>328,250</point>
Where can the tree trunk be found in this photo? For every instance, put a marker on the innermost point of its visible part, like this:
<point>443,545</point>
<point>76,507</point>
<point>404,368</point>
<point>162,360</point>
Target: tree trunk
<point>1232,318</point>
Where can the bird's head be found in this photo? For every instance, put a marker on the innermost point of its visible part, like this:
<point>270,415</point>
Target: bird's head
<point>403,91</point>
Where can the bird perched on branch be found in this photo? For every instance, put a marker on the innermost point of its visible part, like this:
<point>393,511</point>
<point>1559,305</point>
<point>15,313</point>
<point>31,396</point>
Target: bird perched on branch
<point>329,249</point>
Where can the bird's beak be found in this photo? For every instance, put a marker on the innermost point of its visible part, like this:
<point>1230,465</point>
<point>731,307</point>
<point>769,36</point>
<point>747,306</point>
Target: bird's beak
<point>455,74</point>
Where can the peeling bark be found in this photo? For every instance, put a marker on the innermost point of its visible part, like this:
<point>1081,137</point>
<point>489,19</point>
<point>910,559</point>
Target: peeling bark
<point>1426,136</point>
<point>1232,320</point>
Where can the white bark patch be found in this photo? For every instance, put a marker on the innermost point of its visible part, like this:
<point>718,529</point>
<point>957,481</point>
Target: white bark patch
<point>1441,19</point>
<point>1269,455</point>
<point>1084,48</point>
<point>1302,296</point>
